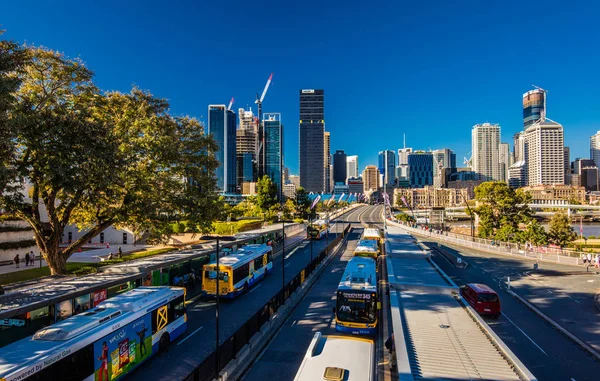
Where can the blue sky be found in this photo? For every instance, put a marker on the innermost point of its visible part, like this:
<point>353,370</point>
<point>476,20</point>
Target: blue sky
<point>429,69</point>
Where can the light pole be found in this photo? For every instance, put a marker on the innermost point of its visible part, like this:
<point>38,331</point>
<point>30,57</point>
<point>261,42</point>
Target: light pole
<point>309,237</point>
<point>217,238</point>
<point>283,254</point>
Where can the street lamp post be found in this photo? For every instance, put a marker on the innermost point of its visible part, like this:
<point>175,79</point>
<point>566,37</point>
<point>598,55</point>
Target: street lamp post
<point>283,256</point>
<point>310,238</point>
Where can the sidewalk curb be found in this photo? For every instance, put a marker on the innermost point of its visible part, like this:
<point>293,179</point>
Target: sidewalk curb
<point>248,354</point>
<point>583,345</point>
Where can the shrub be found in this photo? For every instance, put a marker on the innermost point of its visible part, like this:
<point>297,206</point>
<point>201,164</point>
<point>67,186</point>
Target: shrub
<point>9,228</point>
<point>17,244</point>
<point>591,237</point>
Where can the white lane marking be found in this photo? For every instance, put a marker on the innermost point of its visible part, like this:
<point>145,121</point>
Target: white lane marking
<point>188,336</point>
<point>530,339</point>
<point>255,287</point>
<point>575,300</point>
<point>293,251</point>
<point>287,265</point>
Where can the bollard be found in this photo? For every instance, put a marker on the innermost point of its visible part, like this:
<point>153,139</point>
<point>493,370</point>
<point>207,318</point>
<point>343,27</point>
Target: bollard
<point>508,283</point>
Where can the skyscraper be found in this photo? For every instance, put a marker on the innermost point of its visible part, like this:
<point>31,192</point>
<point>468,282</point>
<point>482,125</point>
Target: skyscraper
<point>351,166</point>
<point>312,128</point>
<point>595,148</point>
<point>567,166</point>
<point>485,144</point>
<point>544,146</point>
<point>327,155</point>
<point>340,167</point>
<point>443,158</point>
<point>246,147</point>
<point>387,166</point>
<point>370,178</point>
<point>421,169</point>
<point>534,107</point>
<point>505,159</point>
<point>222,126</point>
<point>273,131</point>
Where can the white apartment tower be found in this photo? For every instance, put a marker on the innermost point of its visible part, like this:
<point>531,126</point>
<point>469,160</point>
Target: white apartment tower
<point>351,167</point>
<point>544,147</point>
<point>505,159</point>
<point>595,148</point>
<point>485,145</point>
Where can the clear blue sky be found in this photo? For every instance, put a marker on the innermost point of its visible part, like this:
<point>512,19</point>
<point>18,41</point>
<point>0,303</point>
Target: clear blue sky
<point>430,69</point>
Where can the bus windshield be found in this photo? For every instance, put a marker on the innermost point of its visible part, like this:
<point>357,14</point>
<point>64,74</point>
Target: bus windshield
<point>356,306</point>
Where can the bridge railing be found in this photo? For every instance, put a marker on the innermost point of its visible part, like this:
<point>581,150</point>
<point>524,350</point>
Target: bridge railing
<point>549,254</point>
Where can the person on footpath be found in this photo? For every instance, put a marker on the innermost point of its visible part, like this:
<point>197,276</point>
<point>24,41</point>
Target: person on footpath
<point>390,345</point>
<point>17,260</point>
<point>32,255</point>
<point>27,258</point>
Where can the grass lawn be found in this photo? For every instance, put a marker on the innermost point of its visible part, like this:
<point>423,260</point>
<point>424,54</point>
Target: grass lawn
<point>75,268</point>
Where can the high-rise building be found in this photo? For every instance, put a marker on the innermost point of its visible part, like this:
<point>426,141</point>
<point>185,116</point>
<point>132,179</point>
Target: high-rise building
<point>295,179</point>
<point>370,178</point>
<point>351,166</point>
<point>355,185</point>
<point>534,107</point>
<point>505,159</point>
<point>289,190</point>
<point>403,155</point>
<point>222,126</point>
<point>518,147</point>
<point>595,148</point>
<point>567,166</point>
<point>586,171</point>
<point>273,135</point>
<point>544,146</point>
<point>443,158</point>
<point>327,156</point>
<point>246,155</point>
<point>485,143</point>
<point>387,167</point>
<point>421,169</point>
<point>312,129</point>
<point>340,163</point>
<point>286,174</point>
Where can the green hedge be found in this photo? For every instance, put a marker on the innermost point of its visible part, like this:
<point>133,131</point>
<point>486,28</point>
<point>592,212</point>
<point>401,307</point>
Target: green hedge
<point>17,244</point>
<point>9,228</point>
<point>138,255</point>
<point>226,228</point>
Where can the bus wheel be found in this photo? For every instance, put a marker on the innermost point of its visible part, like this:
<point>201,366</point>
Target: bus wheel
<point>165,339</point>
<point>245,287</point>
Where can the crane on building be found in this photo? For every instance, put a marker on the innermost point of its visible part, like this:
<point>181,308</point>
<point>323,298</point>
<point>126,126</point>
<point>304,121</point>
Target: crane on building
<point>468,162</point>
<point>230,103</point>
<point>261,135</point>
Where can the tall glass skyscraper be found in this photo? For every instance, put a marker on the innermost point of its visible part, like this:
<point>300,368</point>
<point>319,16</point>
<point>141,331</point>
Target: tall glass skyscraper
<point>312,130</point>
<point>534,105</point>
<point>421,169</point>
<point>274,149</point>
<point>222,126</point>
<point>387,166</point>
<point>339,167</point>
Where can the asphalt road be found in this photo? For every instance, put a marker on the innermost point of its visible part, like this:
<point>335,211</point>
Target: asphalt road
<point>198,342</point>
<point>547,353</point>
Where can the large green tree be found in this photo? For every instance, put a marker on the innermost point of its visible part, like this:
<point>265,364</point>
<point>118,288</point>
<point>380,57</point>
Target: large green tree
<point>266,197</point>
<point>534,233</point>
<point>500,205</point>
<point>561,232</point>
<point>302,203</point>
<point>97,159</point>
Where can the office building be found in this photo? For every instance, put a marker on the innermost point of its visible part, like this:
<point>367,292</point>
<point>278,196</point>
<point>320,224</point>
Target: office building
<point>443,159</point>
<point>595,148</point>
<point>387,167</point>
<point>327,156</point>
<point>403,155</point>
<point>311,140</point>
<point>485,144</point>
<point>289,190</point>
<point>544,154</point>
<point>340,167</point>
<point>355,185</point>
<point>505,159</point>
<point>421,169</point>
<point>534,107</point>
<point>370,178</point>
<point>295,179</point>
<point>587,174</point>
<point>273,135</point>
<point>246,155</point>
<point>222,126</point>
<point>340,189</point>
<point>555,194</point>
<point>567,166</point>
<point>351,167</point>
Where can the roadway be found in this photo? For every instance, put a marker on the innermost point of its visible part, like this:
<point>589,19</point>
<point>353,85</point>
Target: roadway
<point>547,353</point>
<point>198,342</point>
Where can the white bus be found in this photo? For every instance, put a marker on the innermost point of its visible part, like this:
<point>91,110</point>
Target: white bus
<point>103,343</point>
<point>338,358</point>
<point>239,270</point>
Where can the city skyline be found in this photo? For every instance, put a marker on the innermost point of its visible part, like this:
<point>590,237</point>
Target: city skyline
<point>472,88</point>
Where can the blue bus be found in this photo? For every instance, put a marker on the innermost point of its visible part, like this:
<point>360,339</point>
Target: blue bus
<point>357,301</point>
<point>103,343</point>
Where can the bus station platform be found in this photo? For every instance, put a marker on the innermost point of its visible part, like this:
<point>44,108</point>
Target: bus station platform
<point>437,335</point>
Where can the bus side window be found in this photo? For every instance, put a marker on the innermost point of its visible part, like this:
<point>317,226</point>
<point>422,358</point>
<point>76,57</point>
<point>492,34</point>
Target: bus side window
<point>77,366</point>
<point>177,309</point>
<point>258,263</point>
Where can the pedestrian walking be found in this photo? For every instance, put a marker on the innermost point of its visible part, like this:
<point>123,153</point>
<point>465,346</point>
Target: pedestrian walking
<point>390,345</point>
<point>17,260</point>
<point>27,258</point>
<point>120,251</point>
<point>32,258</point>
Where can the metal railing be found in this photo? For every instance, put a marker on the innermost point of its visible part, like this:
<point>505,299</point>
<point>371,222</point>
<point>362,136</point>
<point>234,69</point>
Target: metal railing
<point>233,344</point>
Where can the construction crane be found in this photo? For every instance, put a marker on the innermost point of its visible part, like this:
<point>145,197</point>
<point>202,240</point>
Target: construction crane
<point>469,162</point>
<point>261,135</point>
<point>230,103</point>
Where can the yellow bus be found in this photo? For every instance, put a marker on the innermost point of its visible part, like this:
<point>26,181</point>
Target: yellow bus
<point>239,271</point>
<point>375,234</point>
<point>367,248</point>
<point>317,229</point>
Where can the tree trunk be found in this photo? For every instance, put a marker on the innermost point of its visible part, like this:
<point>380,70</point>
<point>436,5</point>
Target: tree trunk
<point>57,262</point>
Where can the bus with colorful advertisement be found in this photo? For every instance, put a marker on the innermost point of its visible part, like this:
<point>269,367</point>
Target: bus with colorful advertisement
<point>317,230</point>
<point>357,300</point>
<point>367,248</point>
<point>104,343</point>
<point>239,271</point>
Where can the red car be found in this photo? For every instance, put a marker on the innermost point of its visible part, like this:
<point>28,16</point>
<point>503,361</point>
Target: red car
<point>482,298</point>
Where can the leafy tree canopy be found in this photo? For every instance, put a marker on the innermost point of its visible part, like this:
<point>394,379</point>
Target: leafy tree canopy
<point>561,232</point>
<point>500,205</point>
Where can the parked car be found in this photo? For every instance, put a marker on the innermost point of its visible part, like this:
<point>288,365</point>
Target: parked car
<point>482,298</point>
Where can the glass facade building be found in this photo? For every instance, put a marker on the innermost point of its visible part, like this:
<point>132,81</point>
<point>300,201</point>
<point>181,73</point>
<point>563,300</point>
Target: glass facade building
<point>421,169</point>
<point>222,126</point>
<point>273,131</point>
<point>340,167</point>
<point>534,103</point>
<point>387,166</point>
<point>312,131</point>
